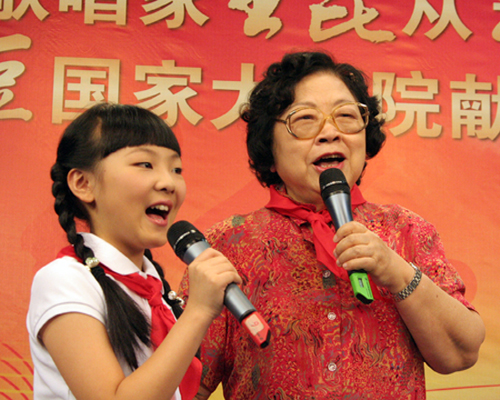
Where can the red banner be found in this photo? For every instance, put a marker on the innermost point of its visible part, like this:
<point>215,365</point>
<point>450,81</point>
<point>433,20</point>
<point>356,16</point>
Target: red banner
<point>434,64</point>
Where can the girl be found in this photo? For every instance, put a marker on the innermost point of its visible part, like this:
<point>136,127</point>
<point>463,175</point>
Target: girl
<point>97,321</point>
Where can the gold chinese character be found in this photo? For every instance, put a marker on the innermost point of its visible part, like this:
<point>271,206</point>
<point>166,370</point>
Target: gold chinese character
<point>449,15</point>
<point>244,86</point>
<point>259,16</point>
<point>496,31</point>
<point>362,16</point>
<point>161,9</point>
<point>383,85</point>
<point>9,71</point>
<point>80,83</point>
<point>98,11</point>
<point>7,9</point>
<point>159,97</point>
<point>473,110</point>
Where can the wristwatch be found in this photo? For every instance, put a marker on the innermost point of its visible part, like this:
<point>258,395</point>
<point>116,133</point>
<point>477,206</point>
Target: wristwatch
<point>411,286</point>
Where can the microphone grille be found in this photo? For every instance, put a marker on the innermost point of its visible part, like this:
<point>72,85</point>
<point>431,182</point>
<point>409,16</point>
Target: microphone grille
<point>333,180</point>
<point>181,235</point>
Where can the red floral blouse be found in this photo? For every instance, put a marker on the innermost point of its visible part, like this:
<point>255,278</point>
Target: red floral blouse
<point>325,343</point>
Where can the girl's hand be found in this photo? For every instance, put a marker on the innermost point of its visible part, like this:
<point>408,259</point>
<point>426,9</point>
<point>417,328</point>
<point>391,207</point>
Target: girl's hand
<point>360,248</point>
<point>209,275</point>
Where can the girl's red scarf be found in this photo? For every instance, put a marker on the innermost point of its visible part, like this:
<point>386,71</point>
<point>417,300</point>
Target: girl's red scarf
<point>322,232</point>
<point>162,318</point>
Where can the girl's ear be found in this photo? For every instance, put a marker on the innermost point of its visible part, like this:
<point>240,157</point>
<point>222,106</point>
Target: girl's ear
<point>81,184</point>
<point>273,168</point>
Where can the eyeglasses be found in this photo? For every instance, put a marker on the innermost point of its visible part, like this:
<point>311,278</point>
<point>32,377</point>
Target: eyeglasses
<point>307,122</point>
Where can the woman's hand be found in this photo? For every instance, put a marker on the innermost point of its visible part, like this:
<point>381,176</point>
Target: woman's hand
<point>447,333</point>
<point>360,248</point>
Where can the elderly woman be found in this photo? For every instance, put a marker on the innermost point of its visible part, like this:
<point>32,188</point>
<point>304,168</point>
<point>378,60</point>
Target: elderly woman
<point>307,115</point>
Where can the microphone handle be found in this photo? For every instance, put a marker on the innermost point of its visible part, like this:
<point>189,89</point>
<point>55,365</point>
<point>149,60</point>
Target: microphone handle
<point>361,285</point>
<point>339,206</point>
<point>236,302</point>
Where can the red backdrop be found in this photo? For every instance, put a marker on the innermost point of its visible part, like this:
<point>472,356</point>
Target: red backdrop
<point>434,64</point>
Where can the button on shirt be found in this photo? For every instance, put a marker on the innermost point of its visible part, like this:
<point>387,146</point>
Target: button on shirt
<point>325,343</point>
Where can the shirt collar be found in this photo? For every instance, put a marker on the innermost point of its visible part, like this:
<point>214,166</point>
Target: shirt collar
<point>115,260</point>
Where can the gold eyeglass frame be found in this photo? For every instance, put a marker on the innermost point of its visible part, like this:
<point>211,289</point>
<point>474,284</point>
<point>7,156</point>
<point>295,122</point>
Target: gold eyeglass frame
<point>365,115</point>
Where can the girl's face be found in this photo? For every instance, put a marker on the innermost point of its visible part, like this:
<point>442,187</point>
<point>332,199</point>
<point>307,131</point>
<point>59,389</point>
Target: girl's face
<point>137,192</point>
<point>299,163</point>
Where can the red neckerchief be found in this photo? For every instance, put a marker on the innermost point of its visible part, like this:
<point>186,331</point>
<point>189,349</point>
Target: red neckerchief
<point>322,233</point>
<point>162,318</point>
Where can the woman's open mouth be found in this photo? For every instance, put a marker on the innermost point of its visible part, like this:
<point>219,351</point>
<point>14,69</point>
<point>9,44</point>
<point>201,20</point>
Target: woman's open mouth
<point>329,161</point>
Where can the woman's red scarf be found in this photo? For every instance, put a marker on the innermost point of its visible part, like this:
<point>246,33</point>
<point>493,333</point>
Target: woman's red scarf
<point>162,318</point>
<point>322,232</point>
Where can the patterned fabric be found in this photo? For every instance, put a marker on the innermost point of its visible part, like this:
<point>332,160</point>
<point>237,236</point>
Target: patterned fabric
<point>321,223</point>
<point>325,343</point>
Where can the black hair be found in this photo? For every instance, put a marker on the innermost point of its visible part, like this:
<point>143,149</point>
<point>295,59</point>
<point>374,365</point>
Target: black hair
<point>276,92</point>
<point>96,133</point>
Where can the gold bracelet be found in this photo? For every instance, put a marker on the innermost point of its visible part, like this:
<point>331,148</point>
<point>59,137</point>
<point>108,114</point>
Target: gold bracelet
<point>411,286</point>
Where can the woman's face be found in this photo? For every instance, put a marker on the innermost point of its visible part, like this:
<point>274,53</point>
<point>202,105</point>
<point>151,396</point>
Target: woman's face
<point>299,163</point>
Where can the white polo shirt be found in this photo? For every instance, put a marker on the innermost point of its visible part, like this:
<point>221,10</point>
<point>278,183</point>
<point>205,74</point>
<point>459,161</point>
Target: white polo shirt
<point>66,286</point>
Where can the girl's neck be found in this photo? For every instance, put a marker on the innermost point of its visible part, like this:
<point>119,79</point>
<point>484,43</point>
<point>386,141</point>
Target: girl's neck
<point>138,261</point>
<point>134,255</point>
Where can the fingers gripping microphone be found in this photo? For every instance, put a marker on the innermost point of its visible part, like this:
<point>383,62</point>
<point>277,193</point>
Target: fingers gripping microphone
<point>188,243</point>
<point>337,197</point>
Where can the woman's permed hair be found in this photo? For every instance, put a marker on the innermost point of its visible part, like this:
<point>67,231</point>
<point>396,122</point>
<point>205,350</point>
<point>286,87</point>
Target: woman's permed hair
<point>96,133</point>
<point>276,92</point>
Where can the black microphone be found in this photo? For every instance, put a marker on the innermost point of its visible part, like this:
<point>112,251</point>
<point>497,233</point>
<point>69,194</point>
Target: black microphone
<point>336,194</point>
<point>188,243</point>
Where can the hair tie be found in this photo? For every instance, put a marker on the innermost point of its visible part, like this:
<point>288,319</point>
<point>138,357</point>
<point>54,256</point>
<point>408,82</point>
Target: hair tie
<point>172,296</point>
<point>92,264</point>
